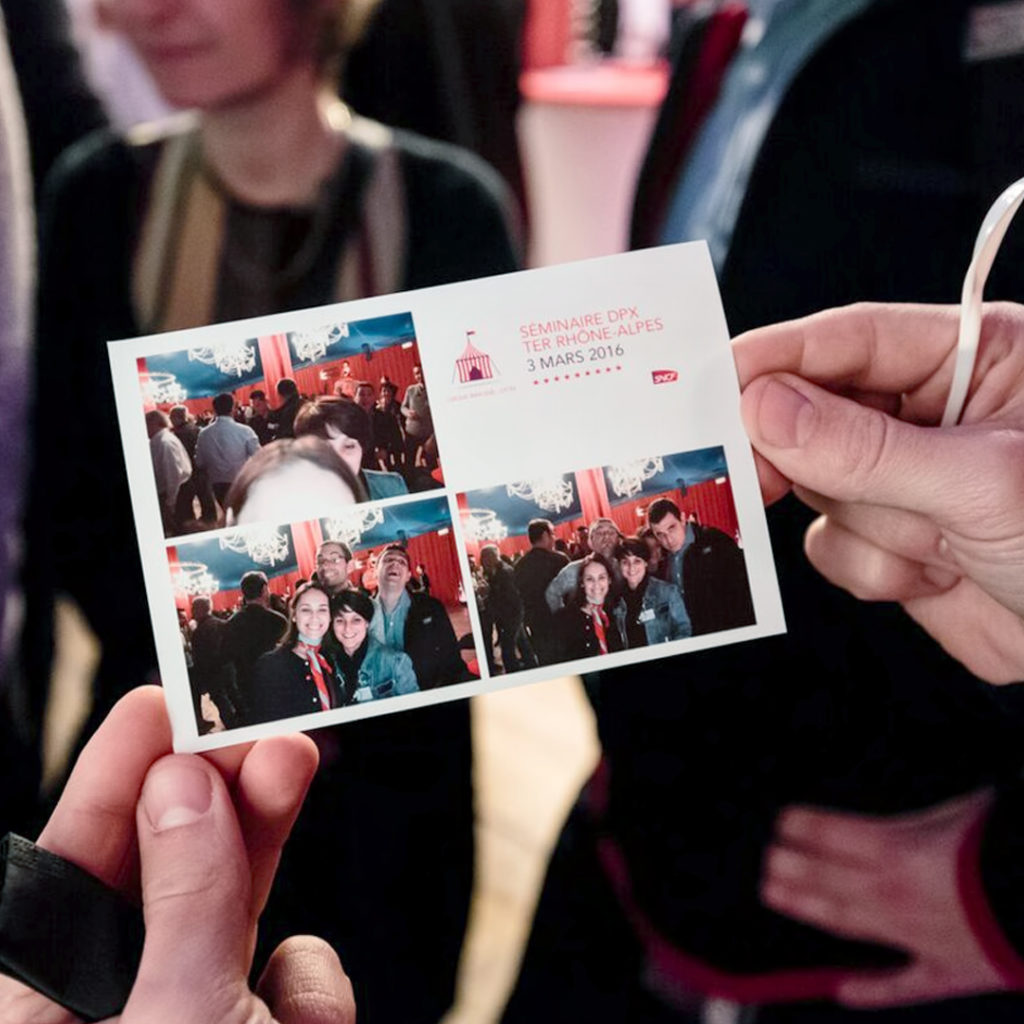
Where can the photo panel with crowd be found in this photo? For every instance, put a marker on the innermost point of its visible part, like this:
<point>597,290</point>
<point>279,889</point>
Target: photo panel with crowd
<point>598,561</point>
<point>240,429</point>
<point>278,621</point>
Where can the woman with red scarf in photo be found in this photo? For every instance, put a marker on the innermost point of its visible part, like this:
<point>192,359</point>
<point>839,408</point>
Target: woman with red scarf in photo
<point>586,626</point>
<point>295,678</point>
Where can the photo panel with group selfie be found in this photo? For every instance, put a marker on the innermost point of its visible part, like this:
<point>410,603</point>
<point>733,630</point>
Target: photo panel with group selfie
<point>347,400</point>
<point>323,617</point>
<point>612,559</point>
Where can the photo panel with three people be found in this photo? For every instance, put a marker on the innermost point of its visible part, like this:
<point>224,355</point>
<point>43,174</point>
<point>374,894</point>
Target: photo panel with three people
<point>286,620</point>
<point>603,560</point>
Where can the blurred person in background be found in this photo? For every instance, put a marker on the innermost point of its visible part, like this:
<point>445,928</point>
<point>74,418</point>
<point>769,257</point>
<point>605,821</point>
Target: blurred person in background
<point>848,150</point>
<point>272,195</point>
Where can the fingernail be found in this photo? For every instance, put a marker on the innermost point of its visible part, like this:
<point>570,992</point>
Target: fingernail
<point>176,793</point>
<point>784,415</point>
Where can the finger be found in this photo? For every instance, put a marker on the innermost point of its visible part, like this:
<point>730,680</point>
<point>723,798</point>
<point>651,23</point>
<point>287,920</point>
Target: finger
<point>773,484</point>
<point>228,761</point>
<point>976,629</point>
<point>847,838</point>
<point>835,913</point>
<point>195,896</point>
<point>867,347</point>
<point>93,825</point>
<point>20,1004</point>
<point>870,572</point>
<point>818,876</point>
<point>272,784</point>
<point>960,477</point>
<point>304,983</point>
<point>909,534</point>
<point>918,983</point>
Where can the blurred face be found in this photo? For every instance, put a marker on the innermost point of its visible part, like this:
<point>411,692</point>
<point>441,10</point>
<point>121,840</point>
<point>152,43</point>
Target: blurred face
<point>595,583</point>
<point>633,570</point>
<point>214,54</point>
<point>603,539</point>
<point>350,450</point>
<point>312,615</point>
<point>670,533</point>
<point>393,572</point>
<point>417,375</point>
<point>332,566</point>
<point>364,397</point>
<point>260,406</point>
<point>350,630</point>
<point>294,492</point>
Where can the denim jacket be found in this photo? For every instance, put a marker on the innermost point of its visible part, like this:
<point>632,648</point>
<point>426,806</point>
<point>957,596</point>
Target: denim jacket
<point>384,672</point>
<point>662,613</point>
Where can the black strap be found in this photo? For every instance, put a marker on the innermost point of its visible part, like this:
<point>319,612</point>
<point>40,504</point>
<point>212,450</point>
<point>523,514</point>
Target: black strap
<point>64,933</point>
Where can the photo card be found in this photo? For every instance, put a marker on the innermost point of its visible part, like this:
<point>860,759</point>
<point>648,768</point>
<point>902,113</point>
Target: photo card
<point>418,497</point>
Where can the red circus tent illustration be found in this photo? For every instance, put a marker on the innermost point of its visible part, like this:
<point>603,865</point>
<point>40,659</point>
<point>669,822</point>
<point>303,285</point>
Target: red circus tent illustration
<point>473,364</point>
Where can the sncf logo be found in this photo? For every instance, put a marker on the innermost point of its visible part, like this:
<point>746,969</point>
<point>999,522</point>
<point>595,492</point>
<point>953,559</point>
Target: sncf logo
<point>664,376</point>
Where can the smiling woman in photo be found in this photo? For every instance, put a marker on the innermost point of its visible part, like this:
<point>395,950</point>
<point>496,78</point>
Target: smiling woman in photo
<point>585,626</point>
<point>365,669</point>
<point>295,678</point>
<point>650,611</point>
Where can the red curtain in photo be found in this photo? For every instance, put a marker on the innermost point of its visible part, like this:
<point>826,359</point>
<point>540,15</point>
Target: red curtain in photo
<point>306,538</point>
<point>593,494</point>
<point>143,372</point>
<point>277,362</point>
<point>711,502</point>
<point>395,363</point>
<point>713,505</point>
<point>437,553</point>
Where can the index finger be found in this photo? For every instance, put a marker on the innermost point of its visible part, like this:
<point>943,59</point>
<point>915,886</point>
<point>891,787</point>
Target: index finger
<point>871,347</point>
<point>93,824</point>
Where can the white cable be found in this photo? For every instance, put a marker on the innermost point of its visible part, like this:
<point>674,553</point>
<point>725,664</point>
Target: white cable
<point>990,237</point>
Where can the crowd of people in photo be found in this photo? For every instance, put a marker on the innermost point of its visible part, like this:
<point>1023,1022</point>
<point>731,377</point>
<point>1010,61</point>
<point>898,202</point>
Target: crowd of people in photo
<point>376,447</point>
<point>329,644</point>
<point>608,592</point>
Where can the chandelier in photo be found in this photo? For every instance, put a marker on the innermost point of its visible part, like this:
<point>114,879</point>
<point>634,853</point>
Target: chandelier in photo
<point>232,358</point>
<point>350,527</point>
<point>265,545</point>
<point>628,478</point>
<point>194,579</point>
<point>483,524</point>
<point>161,389</point>
<point>309,346</point>
<point>553,494</point>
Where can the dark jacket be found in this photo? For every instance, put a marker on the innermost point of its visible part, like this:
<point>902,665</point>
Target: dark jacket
<point>504,602</point>
<point>247,635</point>
<point>576,636</point>
<point>716,589</point>
<point>282,686</point>
<point>534,571</point>
<point>431,644</point>
<point>855,708</point>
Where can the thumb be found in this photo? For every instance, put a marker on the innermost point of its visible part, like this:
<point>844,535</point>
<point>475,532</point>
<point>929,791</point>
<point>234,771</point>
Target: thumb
<point>304,983</point>
<point>195,896</point>
<point>852,452</point>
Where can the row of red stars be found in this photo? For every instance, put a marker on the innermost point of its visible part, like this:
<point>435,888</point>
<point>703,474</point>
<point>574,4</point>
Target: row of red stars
<point>573,376</point>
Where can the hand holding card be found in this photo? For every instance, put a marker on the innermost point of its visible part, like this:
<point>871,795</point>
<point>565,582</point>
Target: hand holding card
<point>928,517</point>
<point>166,828</point>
